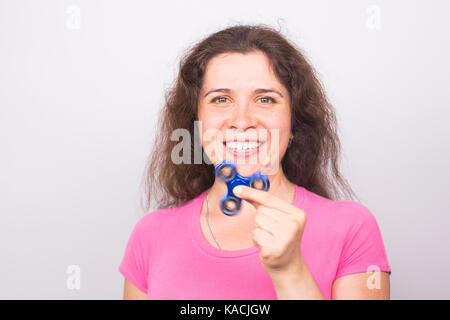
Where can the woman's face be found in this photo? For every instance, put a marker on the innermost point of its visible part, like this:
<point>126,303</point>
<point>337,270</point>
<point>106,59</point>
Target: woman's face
<point>244,113</point>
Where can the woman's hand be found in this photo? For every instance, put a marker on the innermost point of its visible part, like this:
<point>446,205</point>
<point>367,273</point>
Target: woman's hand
<point>278,230</point>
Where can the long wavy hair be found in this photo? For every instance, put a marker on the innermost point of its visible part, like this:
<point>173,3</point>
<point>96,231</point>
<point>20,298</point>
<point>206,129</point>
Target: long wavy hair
<point>312,159</point>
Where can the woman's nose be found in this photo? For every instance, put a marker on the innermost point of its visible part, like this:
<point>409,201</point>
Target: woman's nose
<point>241,116</point>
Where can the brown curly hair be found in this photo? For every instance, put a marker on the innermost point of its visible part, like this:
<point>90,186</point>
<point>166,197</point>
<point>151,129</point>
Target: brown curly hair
<point>312,159</point>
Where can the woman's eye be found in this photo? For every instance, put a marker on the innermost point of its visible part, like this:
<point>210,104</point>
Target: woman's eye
<point>267,99</point>
<point>218,99</point>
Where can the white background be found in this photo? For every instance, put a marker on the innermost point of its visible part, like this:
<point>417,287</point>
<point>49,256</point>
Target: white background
<point>81,83</point>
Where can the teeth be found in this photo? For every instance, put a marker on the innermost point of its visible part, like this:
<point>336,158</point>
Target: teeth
<point>243,146</point>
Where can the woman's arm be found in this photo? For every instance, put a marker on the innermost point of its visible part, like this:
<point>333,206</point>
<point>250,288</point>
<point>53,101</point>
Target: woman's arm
<point>362,286</point>
<point>131,292</point>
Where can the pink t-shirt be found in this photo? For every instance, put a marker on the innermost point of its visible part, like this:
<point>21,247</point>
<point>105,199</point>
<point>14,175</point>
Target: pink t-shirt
<point>168,257</point>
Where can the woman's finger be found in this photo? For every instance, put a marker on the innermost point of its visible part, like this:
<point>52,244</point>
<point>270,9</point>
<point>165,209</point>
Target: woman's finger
<point>262,238</point>
<point>259,197</point>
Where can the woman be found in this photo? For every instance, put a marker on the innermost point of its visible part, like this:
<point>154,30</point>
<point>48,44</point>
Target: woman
<point>295,241</point>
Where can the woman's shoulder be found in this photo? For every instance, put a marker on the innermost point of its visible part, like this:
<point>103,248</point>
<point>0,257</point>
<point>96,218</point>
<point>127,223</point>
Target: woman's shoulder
<point>344,211</point>
<point>160,219</point>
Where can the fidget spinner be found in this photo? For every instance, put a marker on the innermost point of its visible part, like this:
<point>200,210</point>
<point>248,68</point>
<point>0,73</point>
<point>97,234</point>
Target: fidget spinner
<point>226,171</point>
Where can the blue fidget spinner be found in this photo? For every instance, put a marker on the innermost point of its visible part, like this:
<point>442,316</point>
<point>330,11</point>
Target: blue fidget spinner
<point>226,171</point>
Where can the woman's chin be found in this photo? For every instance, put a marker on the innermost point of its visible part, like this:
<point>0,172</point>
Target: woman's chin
<point>246,170</point>
<point>247,166</point>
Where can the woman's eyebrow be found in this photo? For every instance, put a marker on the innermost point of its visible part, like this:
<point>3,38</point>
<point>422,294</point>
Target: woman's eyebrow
<point>260,90</point>
<point>268,90</point>
<point>225,90</point>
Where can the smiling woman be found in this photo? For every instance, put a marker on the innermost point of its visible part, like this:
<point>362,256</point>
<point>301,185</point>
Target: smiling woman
<point>268,113</point>
<point>245,109</point>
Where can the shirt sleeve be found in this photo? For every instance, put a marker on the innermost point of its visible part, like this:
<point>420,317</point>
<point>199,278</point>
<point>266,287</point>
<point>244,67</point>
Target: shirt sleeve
<point>133,266</point>
<point>363,249</point>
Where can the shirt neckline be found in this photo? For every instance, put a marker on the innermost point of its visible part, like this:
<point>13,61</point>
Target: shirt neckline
<point>200,241</point>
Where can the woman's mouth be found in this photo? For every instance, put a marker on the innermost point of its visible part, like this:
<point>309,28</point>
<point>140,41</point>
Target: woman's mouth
<point>243,148</point>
